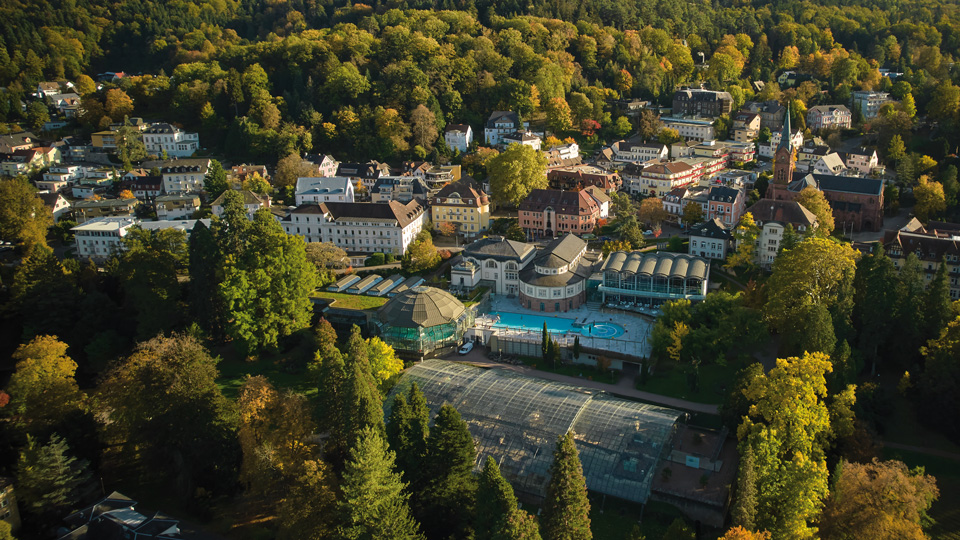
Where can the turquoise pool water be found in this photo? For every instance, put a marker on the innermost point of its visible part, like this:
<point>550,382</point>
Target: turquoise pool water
<point>603,330</point>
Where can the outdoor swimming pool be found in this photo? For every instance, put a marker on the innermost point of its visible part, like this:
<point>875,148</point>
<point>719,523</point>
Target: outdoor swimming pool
<point>603,330</point>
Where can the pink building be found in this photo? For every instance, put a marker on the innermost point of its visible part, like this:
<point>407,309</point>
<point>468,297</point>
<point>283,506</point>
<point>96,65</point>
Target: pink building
<point>552,212</point>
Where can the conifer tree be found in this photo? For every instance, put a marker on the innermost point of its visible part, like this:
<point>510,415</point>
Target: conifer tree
<point>497,515</point>
<point>415,453</point>
<point>374,503</point>
<point>398,433</point>
<point>49,478</point>
<point>205,279</point>
<point>745,509</point>
<point>362,405</point>
<point>937,305</point>
<point>451,453</point>
<point>566,510</point>
<point>215,181</point>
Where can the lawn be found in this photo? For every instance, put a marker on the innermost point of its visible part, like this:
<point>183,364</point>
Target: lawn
<point>351,301</point>
<point>669,380</point>
<point>946,510</point>
<point>233,372</point>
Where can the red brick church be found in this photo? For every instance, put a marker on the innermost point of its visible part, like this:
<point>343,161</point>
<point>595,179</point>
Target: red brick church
<point>857,203</point>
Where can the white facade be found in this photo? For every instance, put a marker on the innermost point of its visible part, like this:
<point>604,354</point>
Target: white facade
<point>65,173</point>
<point>525,138</point>
<point>710,248</point>
<point>176,207</point>
<point>160,138</point>
<point>458,137</point>
<point>830,164</point>
<point>327,166</point>
<point>864,161</point>
<point>869,103</point>
<point>356,234</point>
<point>100,238</point>
<point>184,176</point>
<point>698,130</point>
<point>768,149</point>
<point>768,242</point>
<point>324,189</point>
<point>566,151</point>
<point>626,152</point>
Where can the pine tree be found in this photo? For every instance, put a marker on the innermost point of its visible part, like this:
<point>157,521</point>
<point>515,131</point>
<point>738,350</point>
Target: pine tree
<point>937,305</point>
<point>545,342</point>
<point>909,309</point>
<point>215,182</point>
<point>331,378</point>
<point>48,478</point>
<point>415,454</point>
<point>362,404</point>
<point>497,515</point>
<point>398,433</point>
<point>745,508</point>
<point>566,510</point>
<point>449,502</point>
<point>204,264</point>
<point>374,504</point>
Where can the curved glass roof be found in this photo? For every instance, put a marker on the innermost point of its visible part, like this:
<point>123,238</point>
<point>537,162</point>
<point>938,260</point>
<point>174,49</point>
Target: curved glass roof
<point>517,420</point>
<point>657,263</point>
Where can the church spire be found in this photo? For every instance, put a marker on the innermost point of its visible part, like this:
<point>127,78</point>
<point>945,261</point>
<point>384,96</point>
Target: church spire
<point>785,136</point>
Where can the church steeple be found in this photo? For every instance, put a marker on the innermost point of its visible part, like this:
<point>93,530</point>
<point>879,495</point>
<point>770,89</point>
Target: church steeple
<point>783,159</point>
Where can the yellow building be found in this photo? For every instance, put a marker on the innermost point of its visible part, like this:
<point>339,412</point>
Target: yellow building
<point>462,204</point>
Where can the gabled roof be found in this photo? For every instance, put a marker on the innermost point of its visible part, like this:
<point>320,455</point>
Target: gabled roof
<point>403,214</point>
<point>832,161</point>
<point>462,189</point>
<point>561,251</point>
<point>829,109</point>
<point>249,197</point>
<point>792,212</point>
<point>499,247</point>
<point>927,246</point>
<point>723,194</point>
<point>359,170</point>
<point>462,128</point>
<point>843,184</point>
<point>711,229</point>
<point>598,194</point>
<point>563,202</point>
<point>503,116</point>
<point>50,199</point>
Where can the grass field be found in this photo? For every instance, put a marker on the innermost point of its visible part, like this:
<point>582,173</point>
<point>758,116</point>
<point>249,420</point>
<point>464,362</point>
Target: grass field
<point>672,381</point>
<point>234,372</point>
<point>946,510</point>
<point>351,301</point>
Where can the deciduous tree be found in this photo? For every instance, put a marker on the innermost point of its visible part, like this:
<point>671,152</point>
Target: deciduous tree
<point>23,216</point>
<point>931,199</point>
<point>515,173</point>
<point>43,389</point>
<point>745,240</point>
<point>813,200</point>
<point>692,214</point>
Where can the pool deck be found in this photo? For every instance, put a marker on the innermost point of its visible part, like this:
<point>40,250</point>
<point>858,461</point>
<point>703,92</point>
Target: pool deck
<point>634,341</point>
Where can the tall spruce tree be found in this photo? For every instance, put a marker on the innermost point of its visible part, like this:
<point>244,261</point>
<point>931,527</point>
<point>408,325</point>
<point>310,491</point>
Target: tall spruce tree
<point>362,405</point>
<point>415,453</point>
<point>937,308</point>
<point>566,510</point>
<point>205,274</point>
<point>215,182</point>
<point>398,433</point>
<point>497,515</point>
<point>875,299</point>
<point>448,506</point>
<point>49,478</point>
<point>910,293</point>
<point>745,509</point>
<point>374,503</point>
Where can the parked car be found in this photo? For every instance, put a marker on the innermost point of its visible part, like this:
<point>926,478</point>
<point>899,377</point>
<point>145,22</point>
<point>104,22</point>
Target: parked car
<point>466,347</point>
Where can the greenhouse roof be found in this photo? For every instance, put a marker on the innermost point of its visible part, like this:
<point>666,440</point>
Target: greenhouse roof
<point>517,419</point>
<point>421,306</point>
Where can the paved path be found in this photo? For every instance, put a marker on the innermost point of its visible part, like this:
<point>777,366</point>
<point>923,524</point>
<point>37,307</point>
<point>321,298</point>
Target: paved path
<point>625,390</point>
<point>922,450</point>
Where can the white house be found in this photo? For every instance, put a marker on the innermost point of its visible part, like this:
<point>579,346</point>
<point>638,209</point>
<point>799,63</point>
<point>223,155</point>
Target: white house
<point>57,203</point>
<point>830,164</point>
<point>603,200</point>
<point>630,152</point>
<point>176,207</point>
<point>100,238</point>
<point>863,159</point>
<point>324,189</point>
<point>525,138</point>
<point>458,136</point>
<point>358,227</point>
<point>326,164</point>
<point>767,150</point>
<point>184,175</point>
<point>501,123</point>
<point>495,261</point>
<point>772,216</point>
<point>709,240</point>
<point>251,203</point>
<point>869,102</point>
<point>688,128</point>
<point>162,137</point>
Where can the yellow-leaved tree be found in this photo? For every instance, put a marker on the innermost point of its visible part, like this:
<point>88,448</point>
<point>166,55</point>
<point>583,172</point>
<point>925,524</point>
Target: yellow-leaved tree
<point>43,391</point>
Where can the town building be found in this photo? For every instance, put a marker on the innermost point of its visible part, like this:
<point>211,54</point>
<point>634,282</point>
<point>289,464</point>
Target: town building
<point>604,200</point>
<point>690,128</point>
<point>439,176</point>
<point>726,205</point>
<point>99,239</point>
<point>501,123</point>
<point>184,175</point>
<point>365,173</point>
<point>526,138</point>
<point>8,504</point>
<point>57,203</point>
<point>176,207</point>
<point>496,263</point>
<point>869,102</point>
<point>746,126</point>
<point>582,176</point>
<point>937,243</point>
<point>631,151</point>
<point>768,149</point>
<point>709,240</point>
<point>546,213</point>
<point>863,159</point>
<point>325,189</point>
<point>23,140</point>
<point>458,137</point>
<point>145,188</point>
<point>771,113</point>
<point>462,206</point>
<point>658,179</point>
<point>399,188</point>
<point>326,165</point>
<point>29,160</point>
<point>115,516</point>
<point>772,217</point>
<point>87,210</point>
<point>631,174</point>
<point>358,227</point>
<point>828,117</point>
<point>556,279</point>
<point>700,102</point>
<point>252,202</point>
<point>242,173</point>
<point>653,278</point>
<point>163,138</point>
<point>60,176</point>
<point>830,165</point>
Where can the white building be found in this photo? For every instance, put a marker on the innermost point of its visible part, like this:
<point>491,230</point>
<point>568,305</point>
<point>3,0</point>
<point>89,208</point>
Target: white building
<point>458,137</point>
<point>768,149</point>
<point>176,207</point>
<point>358,227</point>
<point>525,138</point>
<point>67,174</point>
<point>326,164</point>
<point>869,102</point>
<point>772,216</point>
<point>251,203</point>
<point>496,262</point>
<point>688,128</point>
<point>184,175</point>
<point>501,123</point>
<point>709,240</point>
<point>325,189</point>
<point>57,203</point>
<point>160,138</point>
<point>830,164</point>
<point>828,116</point>
<point>863,159</point>
<point>100,238</point>
<point>629,152</point>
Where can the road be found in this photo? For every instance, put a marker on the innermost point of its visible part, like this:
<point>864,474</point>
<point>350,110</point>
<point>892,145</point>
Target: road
<point>624,388</point>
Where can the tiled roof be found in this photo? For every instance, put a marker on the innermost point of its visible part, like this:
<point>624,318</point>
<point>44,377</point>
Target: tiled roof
<point>563,202</point>
<point>792,212</point>
<point>498,246</point>
<point>711,229</point>
<point>844,184</point>
<point>404,214</point>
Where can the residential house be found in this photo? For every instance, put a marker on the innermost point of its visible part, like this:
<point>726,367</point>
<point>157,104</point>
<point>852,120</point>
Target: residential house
<point>327,189</point>
<point>458,137</point>
<point>811,151</point>
<point>690,128</point>
<point>417,168</point>
<point>736,178</point>
<point>23,140</point>
<point>828,117</point>
<point>568,151</point>
<point>442,175</point>
<point>145,188</point>
<point>863,159</point>
<point>658,179</point>
<point>869,102</point>
<point>501,123</point>
<point>936,244</point>
<point>29,160</point>
<point>631,173</point>
<point>244,172</point>
<point>831,164</point>
<point>463,205</point>
<point>163,138</point>
<point>100,238</point>
<point>56,202</point>
<point>709,240</point>
<point>772,217</point>
<point>48,88</point>
<point>602,198</point>
<point>676,200</point>
<point>176,207</point>
<point>252,202</point>
<point>105,141</point>
<point>8,504</point>
<point>365,173</point>
<point>787,79</point>
<point>114,516</point>
<point>771,113</point>
<point>526,138</point>
<point>769,149</point>
<point>326,165</point>
<point>184,175</point>
<point>700,102</point>
<point>399,188</point>
<point>582,176</point>
<point>746,126</point>
<point>726,205</point>
<point>87,210</point>
<point>359,227</point>
<point>546,213</point>
<point>496,262</point>
<point>628,152</point>
<point>62,175</point>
